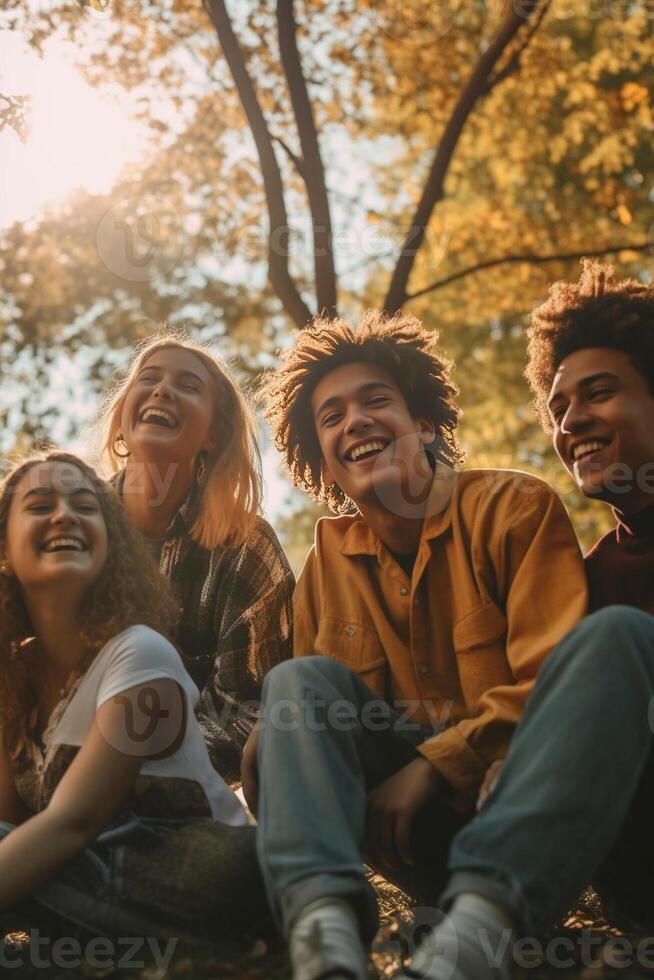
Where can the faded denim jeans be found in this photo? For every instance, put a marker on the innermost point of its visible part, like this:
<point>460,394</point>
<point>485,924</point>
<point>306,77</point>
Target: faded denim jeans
<point>149,876</point>
<point>326,741</point>
<point>574,804</point>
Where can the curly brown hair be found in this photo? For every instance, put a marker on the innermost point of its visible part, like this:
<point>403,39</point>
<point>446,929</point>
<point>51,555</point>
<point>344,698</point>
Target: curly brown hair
<point>129,590</point>
<point>597,311</point>
<point>400,345</point>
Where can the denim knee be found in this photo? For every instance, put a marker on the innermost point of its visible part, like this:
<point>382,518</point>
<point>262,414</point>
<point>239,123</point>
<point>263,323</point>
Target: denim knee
<point>616,619</point>
<point>614,636</point>
<point>291,678</point>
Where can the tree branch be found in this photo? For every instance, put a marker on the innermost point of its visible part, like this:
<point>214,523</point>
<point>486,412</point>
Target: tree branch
<point>293,157</point>
<point>517,15</point>
<point>313,171</point>
<point>278,231</point>
<point>513,63</point>
<point>533,259</point>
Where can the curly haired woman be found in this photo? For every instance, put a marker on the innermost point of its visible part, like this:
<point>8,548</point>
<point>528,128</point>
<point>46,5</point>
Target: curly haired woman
<point>181,442</point>
<point>111,812</point>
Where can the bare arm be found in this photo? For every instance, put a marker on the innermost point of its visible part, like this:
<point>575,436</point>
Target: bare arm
<point>12,809</point>
<point>250,770</point>
<point>92,790</point>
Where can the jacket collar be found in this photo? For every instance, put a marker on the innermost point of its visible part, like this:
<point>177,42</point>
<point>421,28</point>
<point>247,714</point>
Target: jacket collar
<point>361,540</point>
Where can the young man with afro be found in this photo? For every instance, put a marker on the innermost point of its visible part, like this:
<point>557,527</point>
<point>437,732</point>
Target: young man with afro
<point>421,619</point>
<point>574,802</point>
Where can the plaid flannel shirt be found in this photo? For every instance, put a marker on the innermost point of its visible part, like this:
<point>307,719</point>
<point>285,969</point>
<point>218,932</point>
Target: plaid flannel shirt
<point>235,625</point>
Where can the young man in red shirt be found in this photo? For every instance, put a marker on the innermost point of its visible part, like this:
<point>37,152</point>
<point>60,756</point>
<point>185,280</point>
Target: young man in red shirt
<point>574,802</point>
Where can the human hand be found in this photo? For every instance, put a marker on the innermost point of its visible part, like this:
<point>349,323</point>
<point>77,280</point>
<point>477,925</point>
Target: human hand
<point>392,807</point>
<point>490,782</point>
<point>250,770</point>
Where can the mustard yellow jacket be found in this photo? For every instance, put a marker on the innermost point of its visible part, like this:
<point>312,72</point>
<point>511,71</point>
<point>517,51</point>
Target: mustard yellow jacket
<point>498,580</point>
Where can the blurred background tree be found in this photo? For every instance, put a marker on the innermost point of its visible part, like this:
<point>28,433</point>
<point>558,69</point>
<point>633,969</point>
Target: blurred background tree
<point>448,159</point>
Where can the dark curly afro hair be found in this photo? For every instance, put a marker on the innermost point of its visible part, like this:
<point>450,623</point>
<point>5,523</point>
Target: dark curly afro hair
<point>597,311</point>
<point>400,345</point>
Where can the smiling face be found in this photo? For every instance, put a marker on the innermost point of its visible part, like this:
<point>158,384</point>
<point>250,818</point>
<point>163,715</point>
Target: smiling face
<point>602,411</point>
<point>169,409</point>
<point>371,446</point>
<point>56,531</point>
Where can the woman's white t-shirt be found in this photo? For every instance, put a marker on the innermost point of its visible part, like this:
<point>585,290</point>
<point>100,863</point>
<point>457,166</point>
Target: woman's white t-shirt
<point>134,657</point>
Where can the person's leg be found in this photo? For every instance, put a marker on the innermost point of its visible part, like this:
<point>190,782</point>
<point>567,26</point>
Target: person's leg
<point>326,741</point>
<point>572,775</point>
<point>624,879</point>
<point>573,768</point>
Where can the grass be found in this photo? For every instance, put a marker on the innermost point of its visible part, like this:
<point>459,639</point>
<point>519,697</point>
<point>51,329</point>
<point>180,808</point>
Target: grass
<point>264,958</point>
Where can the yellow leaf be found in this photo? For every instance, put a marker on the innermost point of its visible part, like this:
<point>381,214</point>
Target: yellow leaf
<point>623,214</point>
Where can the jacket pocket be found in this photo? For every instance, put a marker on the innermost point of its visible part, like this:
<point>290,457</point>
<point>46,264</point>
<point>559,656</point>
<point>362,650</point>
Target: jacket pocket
<point>357,647</point>
<point>480,644</point>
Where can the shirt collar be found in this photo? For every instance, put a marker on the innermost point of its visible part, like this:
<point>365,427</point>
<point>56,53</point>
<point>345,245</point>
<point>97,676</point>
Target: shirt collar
<point>634,526</point>
<point>181,521</point>
<point>360,539</point>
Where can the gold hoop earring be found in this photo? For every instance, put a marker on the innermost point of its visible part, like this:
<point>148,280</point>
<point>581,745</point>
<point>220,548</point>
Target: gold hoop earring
<point>19,648</point>
<point>201,474</point>
<point>117,442</point>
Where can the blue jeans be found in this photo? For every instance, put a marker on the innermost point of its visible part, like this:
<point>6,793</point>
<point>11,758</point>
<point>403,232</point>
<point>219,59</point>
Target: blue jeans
<point>153,876</point>
<point>575,801</point>
<point>326,741</point>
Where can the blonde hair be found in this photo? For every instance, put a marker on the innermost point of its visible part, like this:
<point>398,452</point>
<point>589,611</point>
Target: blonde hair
<point>230,498</point>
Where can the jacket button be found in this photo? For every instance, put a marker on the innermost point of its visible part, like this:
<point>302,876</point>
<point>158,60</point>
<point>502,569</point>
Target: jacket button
<point>349,630</point>
<point>404,590</point>
<point>423,669</point>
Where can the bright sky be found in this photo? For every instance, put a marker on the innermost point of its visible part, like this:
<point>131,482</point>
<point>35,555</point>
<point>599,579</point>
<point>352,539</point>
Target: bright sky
<point>80,136</point>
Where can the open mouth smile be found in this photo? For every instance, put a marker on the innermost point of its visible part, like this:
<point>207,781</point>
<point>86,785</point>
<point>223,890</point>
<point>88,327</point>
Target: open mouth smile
<point>583,450</point>
<point>366,450</point>
<point>158,416</point>
<point>64,544</point>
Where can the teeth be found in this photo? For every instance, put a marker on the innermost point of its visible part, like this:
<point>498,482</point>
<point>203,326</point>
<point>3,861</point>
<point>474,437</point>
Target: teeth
<point>158,413</point>
<point>587,447</point>
<point>369,447</point>
<point>64,543</point>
